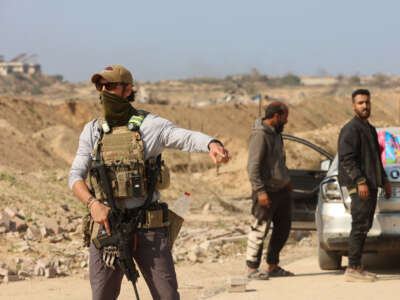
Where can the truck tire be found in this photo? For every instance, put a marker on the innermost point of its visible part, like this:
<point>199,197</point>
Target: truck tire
<point>329,260</point>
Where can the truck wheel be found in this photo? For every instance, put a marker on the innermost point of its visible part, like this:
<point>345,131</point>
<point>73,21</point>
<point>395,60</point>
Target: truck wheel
<point>329,260</point>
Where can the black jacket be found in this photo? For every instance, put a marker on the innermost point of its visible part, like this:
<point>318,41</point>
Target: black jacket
<point>359,155</point>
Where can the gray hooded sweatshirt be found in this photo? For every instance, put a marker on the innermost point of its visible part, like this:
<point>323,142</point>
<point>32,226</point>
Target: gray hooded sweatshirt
<point>266,165</point>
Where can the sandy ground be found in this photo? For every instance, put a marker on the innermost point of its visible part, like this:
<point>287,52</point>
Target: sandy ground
<point>311,283</point>
<point>208,281</point>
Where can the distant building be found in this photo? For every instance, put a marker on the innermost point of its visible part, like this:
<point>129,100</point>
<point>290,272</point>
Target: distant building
<point>19,65</point>
<point>312,80</point>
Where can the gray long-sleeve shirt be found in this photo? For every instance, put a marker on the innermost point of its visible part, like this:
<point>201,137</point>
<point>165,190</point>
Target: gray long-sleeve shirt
<point>266,164</point>
<point>157,133</point>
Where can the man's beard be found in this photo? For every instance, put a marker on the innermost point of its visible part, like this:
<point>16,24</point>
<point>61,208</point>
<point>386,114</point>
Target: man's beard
<point>364,114</point>
<point>279,127</point>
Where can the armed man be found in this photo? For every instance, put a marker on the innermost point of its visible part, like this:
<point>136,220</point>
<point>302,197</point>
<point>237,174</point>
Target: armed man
<point>121,153</point>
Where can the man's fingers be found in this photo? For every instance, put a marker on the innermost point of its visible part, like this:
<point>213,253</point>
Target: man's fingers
<point>216,150</point>
<point>213,157</point>
<point>364,195</point>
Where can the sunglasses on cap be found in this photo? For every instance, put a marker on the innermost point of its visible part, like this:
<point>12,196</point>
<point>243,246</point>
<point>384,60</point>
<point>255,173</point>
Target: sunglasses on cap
<point>110,86</point>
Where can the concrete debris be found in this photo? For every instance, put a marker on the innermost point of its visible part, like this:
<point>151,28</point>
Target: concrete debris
<point>193,257</point>
<point>50,272</point>
<point>207,207</point>
<point>51,246</point>
<point>237,284</point>
<point>18,225</point>
<point>12,235</point>
<point>11,278</point>
<point>3,229</point>
<point>65,207</point>
<point>51,226</point>
<point>22,246</point>
<point>44,231</point>
<point>4,271</point>
<point>56,239</point>
<point>21,214</point>
<point>10,212</point>
<point>5,220</point>
<point>43,263</point>
<point>24,274</point>
<point>33,233</point>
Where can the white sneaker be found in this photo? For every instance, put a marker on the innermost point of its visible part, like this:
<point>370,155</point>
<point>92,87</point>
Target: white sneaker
<point>370,274</point>
<point>358,275</point>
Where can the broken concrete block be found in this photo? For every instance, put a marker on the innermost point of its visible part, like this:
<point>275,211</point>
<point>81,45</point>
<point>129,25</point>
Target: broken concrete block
<point>207,208</point>
<point>65,207</point>
<point>43,263</point>
<point>43,231</point>
<point>20,225</point>
<point>21,214</point>
<point>5,220</point>
<point>33,233</point>
<point>51,225</point>
<point>237,284</point>
<point>4,271</point>
<point>50,272</point>
<point>10,212</point>
<point>38,271</point>
<point>23,274</point>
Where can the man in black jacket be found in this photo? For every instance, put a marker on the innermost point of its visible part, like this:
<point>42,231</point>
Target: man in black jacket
<point>361,171</point>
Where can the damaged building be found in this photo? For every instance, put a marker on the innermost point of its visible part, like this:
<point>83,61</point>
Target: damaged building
<point>20,64</point>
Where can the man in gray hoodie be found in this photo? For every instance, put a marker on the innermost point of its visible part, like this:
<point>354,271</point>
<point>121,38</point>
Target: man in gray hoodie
<point>271,187</point>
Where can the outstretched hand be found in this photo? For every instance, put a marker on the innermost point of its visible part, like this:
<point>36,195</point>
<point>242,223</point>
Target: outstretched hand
<point>218,153</point>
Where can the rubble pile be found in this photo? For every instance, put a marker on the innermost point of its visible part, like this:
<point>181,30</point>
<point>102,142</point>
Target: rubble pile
<point>46,247</point>
<point>41,246</point>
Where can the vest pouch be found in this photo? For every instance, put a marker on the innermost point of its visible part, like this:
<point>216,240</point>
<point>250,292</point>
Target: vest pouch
<point>164,177</point>
<point>95,186</point>
<point>175,224</point>
<point>123,184</point>
<point>136,183</point>
<point>129,184</point>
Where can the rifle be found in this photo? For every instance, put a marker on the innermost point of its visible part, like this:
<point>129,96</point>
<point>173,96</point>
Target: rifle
<point>123,229</point>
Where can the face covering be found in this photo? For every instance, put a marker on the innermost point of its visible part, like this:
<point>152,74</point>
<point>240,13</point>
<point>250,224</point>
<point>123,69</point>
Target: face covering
<point>117,110</point>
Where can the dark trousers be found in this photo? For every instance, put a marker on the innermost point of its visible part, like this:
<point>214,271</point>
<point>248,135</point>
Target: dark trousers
<point>362,214</point>
<point>154,259</point>
<point>280,214</point>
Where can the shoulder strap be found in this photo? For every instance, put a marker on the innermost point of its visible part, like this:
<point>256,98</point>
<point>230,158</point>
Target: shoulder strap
<point>136,120</point>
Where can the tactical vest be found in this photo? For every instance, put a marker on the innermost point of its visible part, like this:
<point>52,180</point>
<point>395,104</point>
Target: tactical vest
<point>122,152</point>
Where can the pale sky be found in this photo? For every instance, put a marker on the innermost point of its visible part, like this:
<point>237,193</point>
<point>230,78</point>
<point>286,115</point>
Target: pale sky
<point>180,39</point>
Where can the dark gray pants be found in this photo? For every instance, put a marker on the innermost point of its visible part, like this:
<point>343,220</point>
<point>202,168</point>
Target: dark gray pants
<point>362,215</point>
<point>280,214</point>
<point>154,259</point>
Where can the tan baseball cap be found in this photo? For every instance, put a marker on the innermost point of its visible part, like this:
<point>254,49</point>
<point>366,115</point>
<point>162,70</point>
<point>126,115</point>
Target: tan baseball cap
<point>114,73</point>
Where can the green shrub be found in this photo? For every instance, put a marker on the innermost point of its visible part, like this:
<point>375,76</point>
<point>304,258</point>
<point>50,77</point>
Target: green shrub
<point>290,79</point>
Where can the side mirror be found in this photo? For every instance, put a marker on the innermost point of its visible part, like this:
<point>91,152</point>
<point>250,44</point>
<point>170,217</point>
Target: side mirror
<point>324,165</point>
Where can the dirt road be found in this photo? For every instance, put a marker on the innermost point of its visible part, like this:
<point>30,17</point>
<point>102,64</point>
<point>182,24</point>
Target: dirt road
<point>207,281</point>
<point>310,283</point>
